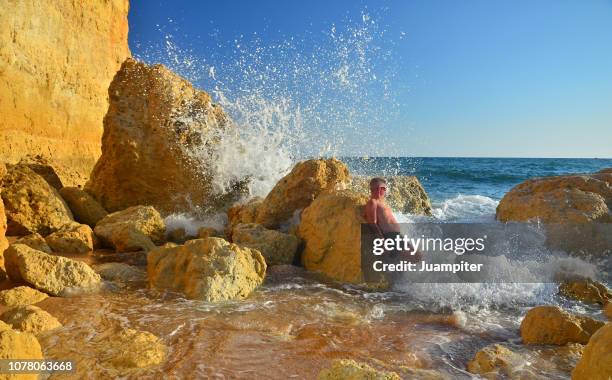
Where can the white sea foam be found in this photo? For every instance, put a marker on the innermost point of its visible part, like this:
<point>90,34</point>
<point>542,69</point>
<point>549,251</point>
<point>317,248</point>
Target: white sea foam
<point>191,224</point>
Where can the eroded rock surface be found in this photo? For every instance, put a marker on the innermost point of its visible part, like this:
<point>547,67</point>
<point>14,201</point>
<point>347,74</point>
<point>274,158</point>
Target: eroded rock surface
<point>21,296</point>
<point>158,133</point>
<point>83,206</point>
<point>48,273</point>
<point>277,248</point>
<point>210,269</point>
<point>133,229</point>
<point>596,361</point>
<point>31,204</point>
<point>349,369</point>
<point>551,325</point>
<point>30,319</point>
<point>72,238</point>
<point>331,230</point>
<point>300,187</point>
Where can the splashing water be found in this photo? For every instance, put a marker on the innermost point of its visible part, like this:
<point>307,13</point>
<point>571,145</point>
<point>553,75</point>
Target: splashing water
<point>319,94</point>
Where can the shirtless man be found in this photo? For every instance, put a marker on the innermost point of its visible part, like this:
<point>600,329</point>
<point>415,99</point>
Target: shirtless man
<point>377,212</point>
<point>379,215</point>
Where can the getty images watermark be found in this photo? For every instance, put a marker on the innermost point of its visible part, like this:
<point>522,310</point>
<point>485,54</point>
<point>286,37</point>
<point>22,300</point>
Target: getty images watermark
<point>484,252</point>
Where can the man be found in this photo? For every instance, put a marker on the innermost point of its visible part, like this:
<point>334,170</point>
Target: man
<point>377,212</point>
<point>380,217</point>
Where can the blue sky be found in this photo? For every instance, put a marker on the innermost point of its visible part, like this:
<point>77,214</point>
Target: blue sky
<point>464,78</point>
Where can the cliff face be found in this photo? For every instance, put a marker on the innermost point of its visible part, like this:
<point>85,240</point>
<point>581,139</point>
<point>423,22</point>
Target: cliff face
<point>57,59</point>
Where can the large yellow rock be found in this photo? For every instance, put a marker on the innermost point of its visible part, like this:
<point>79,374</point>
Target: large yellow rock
<point>586,290</point>
<point>562,199</point>
<point>30,319</point>
<point>495,358</point>
<point>31,204</point>
<point>347,369</point>
<point>243,212</point>
<point>3,240</point>
<point>210,269</point>
<point>133,229</point>
<point>18,345</point>
<point>596,361</point>
<point>72,238</point>
<point>300,187</point>
<point>83,206</point>
<point>56,62</point>
<point>157,134</point>
<point>21,296</point>
<point>331,230</point>
<point>551,325</point>
<point>48,273</point>
<point>276,247</point>
<point>404,193</point>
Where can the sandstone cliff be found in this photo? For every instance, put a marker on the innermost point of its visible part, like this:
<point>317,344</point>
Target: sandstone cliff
<point>57,59</point>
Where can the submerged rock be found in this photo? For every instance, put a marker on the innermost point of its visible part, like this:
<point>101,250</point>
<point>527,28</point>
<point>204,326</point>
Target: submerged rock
<point>83,206</point>
<point>31,204</point>
<point>125,349</point>
<point>596,361</point>
<point>346,369</point>
<point>30,319</point>
<point>300,187</point>
<point>495,359</point>
<point>210,269</point>
<point>551,325</point>
<point>35,241</point>
<point>404,193</point>
<point>157,134</point>
<point>331,230</point>
<point>120,272</point>
<point>586,290</point>
<point>72,238</point>
<point>21,296</point>
<point>276,247</point>
<point>133,229</point>
<point>48,273</point>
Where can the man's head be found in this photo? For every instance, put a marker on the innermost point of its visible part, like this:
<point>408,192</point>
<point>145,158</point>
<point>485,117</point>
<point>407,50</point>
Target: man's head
<point>378,187</point>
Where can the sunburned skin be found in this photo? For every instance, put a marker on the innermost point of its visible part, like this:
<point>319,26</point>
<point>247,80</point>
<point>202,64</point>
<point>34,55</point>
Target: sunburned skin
<point>378,212</point>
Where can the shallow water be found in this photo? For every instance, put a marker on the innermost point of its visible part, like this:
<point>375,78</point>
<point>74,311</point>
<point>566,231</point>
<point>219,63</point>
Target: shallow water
<point>292,327</point>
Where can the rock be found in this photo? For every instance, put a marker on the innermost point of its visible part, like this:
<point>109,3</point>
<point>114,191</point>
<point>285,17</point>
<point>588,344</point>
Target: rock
<point>586,290</point>
<point>128,348</point>
<point>3,240</point>
<point>300,187</point>
<point>404,193</point>
<point>346,369</point>
<point>48,273</point>
<point>206,232</point>
<point>551,325</point>
<point>41,166</point>
<point>210,269</point>
<point>157,131</point>
<point>596,361</point>
<point>331,230</point>
<point>561,199</point>
<point>56,73</point>
<point>19,345</point>
<point>31,204</point>
<point>606,171</point>
<point>495,358</point>
<point>84,207</point>
<point>178,235</point>
<point>607,310</point>
<point>21,296</point>
<point>35,241</point>
<point>242,213</point>
<point>276,247</point>
<point>30,319</point>
<point>72,238</point>
<point>133,229</point>
<point>120,272</point>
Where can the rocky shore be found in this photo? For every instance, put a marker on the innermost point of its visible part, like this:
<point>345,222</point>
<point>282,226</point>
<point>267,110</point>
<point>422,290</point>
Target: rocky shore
<point>156,143</point>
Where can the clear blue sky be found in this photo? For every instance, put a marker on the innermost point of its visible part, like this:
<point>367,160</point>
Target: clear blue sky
<point>467,78</point>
